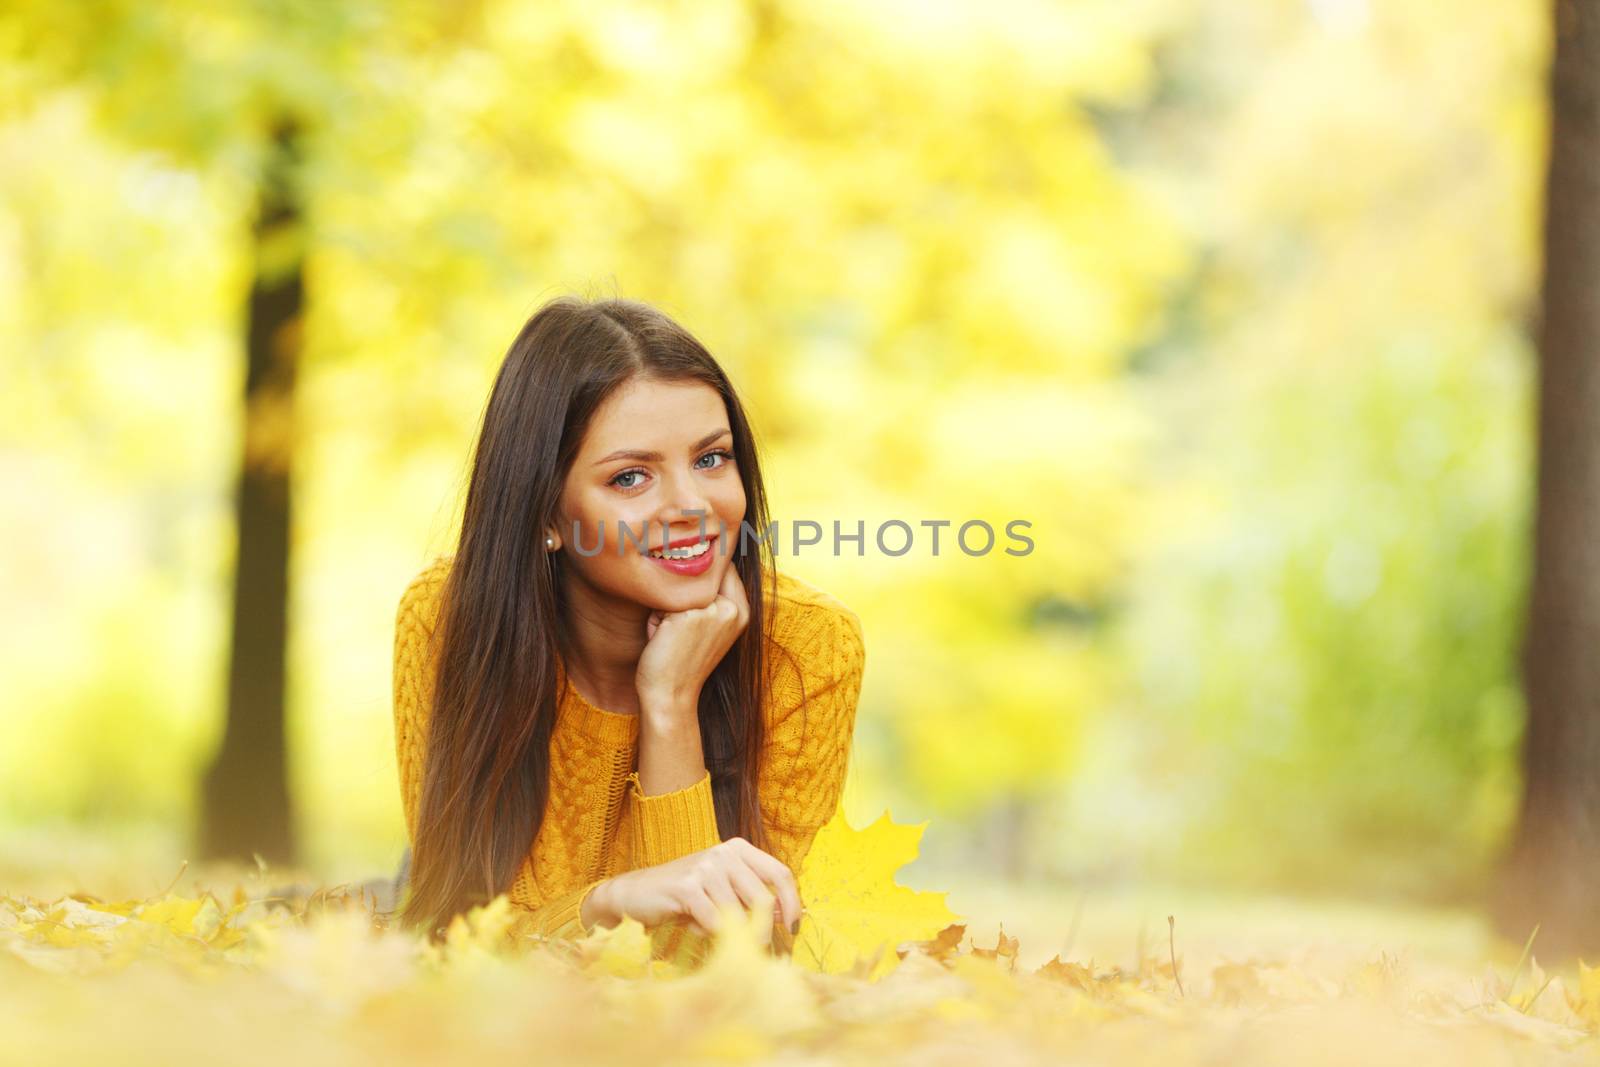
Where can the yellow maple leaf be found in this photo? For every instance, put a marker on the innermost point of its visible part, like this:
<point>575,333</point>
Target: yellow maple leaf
<point>622,951</point>
<point>482,928</point>
<point>1586,1004</point>
<point>173,912</point>
<point>856,914</point>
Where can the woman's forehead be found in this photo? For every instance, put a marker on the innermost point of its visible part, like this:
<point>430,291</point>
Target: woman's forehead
<point>654,415</point>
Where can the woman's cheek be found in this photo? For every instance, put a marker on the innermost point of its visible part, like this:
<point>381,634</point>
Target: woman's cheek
<point>636,540</point>
<point>731,508</point>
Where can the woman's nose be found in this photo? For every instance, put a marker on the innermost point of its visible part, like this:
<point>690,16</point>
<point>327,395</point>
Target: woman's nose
<point>687,506</point>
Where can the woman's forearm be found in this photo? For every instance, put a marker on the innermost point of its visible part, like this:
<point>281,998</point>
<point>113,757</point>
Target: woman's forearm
<point>670,752</point>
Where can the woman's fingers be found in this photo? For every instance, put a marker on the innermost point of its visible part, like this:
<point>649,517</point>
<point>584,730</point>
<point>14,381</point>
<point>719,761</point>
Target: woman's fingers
<point>776,874</point>
<point>730,876</point>
<point>719,887</point>
<point>755,896</point>
<point>703,910</point>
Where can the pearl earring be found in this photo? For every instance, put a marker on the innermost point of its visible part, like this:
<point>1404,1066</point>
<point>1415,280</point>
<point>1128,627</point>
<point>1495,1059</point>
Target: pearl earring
<point>549,542</point>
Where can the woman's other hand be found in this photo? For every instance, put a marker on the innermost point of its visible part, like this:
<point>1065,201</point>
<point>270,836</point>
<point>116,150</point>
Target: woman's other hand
<point>728,873</point>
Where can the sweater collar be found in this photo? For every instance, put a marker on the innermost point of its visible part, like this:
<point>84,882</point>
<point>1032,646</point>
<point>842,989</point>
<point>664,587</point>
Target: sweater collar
<point>591,720</point>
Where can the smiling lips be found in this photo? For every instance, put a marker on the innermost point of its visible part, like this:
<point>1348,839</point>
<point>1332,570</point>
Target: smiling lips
<point>687,561</point>
<point>684,548</point>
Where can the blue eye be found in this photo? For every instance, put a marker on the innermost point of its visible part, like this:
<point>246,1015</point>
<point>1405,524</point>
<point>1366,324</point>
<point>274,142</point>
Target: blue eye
<point>641,472</point>
<point>723,452</point>
<point>624,474</point>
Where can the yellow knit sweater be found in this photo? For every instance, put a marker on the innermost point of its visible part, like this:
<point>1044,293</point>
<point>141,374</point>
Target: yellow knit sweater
<point>598,822</point>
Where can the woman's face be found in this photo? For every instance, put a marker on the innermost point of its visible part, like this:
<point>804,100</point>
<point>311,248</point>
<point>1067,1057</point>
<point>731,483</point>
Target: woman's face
<point>655,454</point>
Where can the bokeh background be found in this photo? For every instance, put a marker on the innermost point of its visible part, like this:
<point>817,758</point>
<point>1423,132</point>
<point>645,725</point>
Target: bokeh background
<point>1231,301</point>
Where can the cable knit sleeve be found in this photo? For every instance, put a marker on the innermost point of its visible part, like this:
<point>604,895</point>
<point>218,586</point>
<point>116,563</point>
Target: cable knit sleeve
<point>807,749</point>
<point>559,917</point>
<point>669,825</point>
<point>413,689</point>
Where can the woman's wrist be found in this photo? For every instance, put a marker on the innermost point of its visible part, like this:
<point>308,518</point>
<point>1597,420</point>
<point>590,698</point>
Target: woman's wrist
<point>666,710</point>
<point>598,907</point>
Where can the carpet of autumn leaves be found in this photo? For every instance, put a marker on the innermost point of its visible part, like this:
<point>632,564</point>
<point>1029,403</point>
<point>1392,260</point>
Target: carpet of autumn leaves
<point>240,977</point>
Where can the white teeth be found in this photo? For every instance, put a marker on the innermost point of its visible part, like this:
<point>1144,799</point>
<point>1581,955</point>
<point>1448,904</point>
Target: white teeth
<point>683,553</point>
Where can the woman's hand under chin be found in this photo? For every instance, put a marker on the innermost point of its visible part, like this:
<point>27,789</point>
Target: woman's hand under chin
<point>682,648</point>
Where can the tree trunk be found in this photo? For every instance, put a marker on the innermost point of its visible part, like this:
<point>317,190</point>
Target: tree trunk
<point>1552,872</point>
<point>1008,838</point>
<point>245,807</point>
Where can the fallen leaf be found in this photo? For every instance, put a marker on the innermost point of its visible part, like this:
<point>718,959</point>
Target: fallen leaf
<point>856,915</point>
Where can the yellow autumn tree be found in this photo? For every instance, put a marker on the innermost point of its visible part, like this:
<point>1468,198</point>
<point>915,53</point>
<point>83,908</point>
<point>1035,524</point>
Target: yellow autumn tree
<point>905,233</point>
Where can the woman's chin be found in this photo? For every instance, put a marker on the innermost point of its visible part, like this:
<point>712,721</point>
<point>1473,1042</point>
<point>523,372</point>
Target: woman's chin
<point>669,591</point>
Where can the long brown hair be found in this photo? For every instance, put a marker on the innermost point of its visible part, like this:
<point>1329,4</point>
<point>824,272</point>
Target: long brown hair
<point>501,623</point>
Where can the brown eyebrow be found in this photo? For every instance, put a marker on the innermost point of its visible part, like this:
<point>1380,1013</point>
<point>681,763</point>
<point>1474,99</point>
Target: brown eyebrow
<point>656,457</point>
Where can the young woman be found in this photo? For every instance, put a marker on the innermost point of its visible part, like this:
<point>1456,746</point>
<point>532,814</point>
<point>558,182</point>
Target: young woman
<point>607,702</point>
